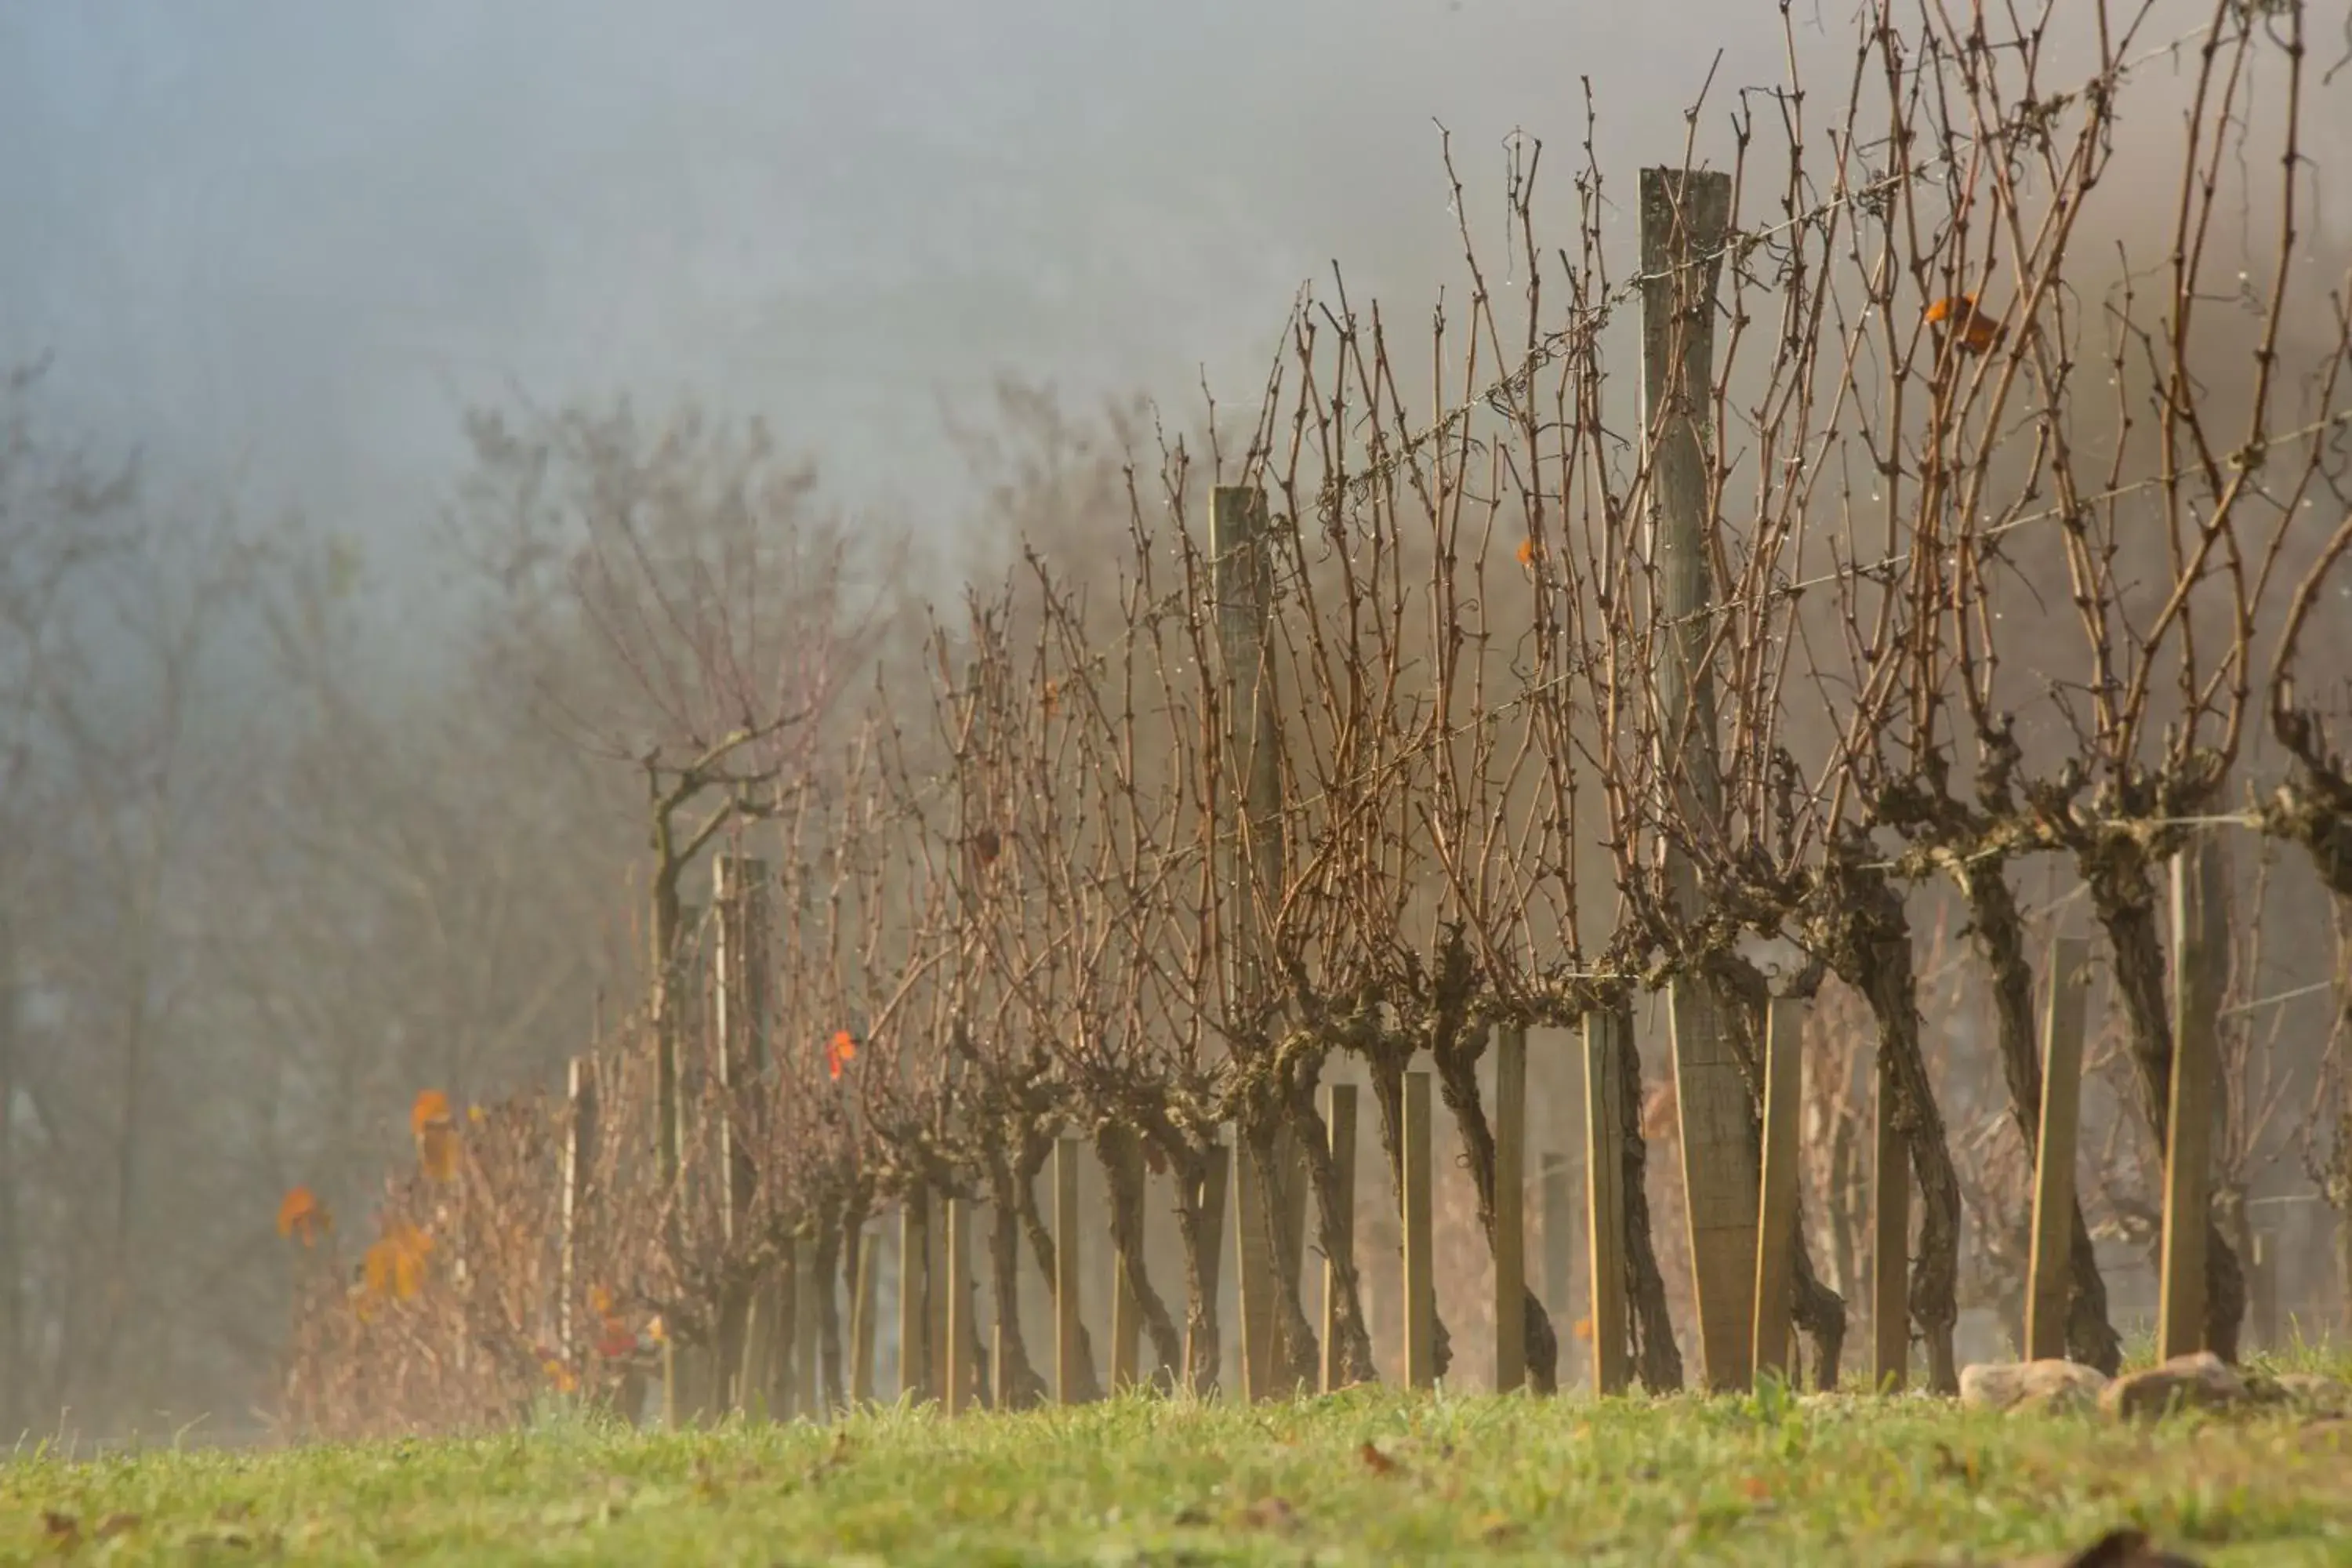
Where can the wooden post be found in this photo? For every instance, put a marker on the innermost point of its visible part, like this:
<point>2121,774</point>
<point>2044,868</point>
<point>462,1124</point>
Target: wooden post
<point>1243,584</point>
<point>914,1322</point>
<point>1254,1257</point>
<point>1776,1219</point>
<point>1685,219</point>
<point>784,1364</point>
<point>1198,1372</point>
<point>1067,1152</point>
<point>2261,1286</point>
<point>1000,1380</point>
<point>1559,1238</point>
<point>863,1309</point>
<point>959,1308</point>
<point>1420,1283</point>
<point>808,1325</point>
<point>1890,1262</point>
<point>2199,947</point>
<point>1123,1164</point>
<point>1125,1306</point>
<point>1605,1092</point>
<point>675,1017</point>
<point>1242,577</point>
<point>1720,1180</point>
<point>936,1300</point>
<point>579,1161</point>
<point>1340,1113</point>
<point>739,985</point>
<point>1510,1209</point>
<point>2049,1271</point>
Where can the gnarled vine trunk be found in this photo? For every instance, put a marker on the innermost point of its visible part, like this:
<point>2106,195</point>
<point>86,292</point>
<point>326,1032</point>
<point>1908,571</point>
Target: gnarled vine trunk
<point>1458,1078</point>
<point>1041,1245</point>
<point>1657,1361</point>
<point>1195,1222</point>
<point>1388,1066</point>
<point>1999,931</point>
<point>1018,1380</point>
<point>2124,896</point>
<point>1818,1310</point>
<point>1335,1231</point>
<point>1123,1175</point>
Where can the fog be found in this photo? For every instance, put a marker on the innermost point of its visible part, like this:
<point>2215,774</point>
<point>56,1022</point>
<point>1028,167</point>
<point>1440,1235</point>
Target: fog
<point>267,871</point>
<point>287,244</point>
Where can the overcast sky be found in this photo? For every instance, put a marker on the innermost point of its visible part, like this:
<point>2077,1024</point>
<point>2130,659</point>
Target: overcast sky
<point>291,240</point>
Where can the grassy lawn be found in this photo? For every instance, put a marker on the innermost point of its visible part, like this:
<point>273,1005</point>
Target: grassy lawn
<point>1369,1477</point>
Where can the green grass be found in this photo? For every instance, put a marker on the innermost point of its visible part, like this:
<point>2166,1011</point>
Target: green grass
<point>1477,1479</point>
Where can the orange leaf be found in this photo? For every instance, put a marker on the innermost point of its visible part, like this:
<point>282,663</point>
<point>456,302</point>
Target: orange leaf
<point>1528,551</point>
<point>394,1265</point>
<point>1583,1329</point>
<point>600,1301</point>
<point>839,1051</point>
<point>301,1215</point>
<point>376,1267</point>
<point>431,1110</point>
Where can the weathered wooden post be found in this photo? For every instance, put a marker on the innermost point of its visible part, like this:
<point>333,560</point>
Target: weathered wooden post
<point>1067,1380</point>
<point>1776,1220</point>
<point>1557,1202</point>
<point>1241,549</point>
<point>936,1298</point>
<point>959,1370</point>
<point>1685,219</point>
<point>863,1309</point>
<point>739,889</point>
<point>2262,1289</point>
<point>1605,1093</point>
<point>1340,1114</point>
<point>914,1321</point>
<point>1510,1209</point>
<point>784,1372</point>
<point>1253,1260</point>
<point>675,921</point>
<point>810,1286</point>
<point>1125,1306</point>
<point>2201,938</point>
<point>2049,1271</point>
<point>579,1162</point>
<point>1420,1281</point>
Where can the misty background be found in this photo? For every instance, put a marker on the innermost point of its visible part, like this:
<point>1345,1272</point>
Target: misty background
<point>286,246</point>
<point>285,835</point>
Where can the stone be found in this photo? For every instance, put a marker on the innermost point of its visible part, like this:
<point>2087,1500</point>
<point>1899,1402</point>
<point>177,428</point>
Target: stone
<point>2200,1381</point>
<point>2030,1385</point>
